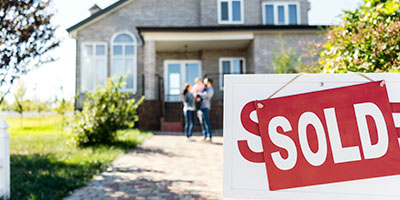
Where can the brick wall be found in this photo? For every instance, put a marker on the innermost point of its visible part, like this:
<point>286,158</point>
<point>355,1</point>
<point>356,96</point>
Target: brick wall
<point>252,11</point>
<point>209,61</point>
<point>126,19</point>
<point>264,44</point>
<point>150,115</point>
<point>167,13</point>
<point>304,8</point>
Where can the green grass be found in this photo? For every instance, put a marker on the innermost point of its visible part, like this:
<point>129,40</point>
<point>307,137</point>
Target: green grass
<point>46,163</point>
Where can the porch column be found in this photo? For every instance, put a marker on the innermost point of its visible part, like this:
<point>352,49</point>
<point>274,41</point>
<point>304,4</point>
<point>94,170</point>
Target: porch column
<point>150,79</point>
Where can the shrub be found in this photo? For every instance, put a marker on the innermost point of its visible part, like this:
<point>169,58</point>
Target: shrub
<point>368,40</point>
<point>104,112</point>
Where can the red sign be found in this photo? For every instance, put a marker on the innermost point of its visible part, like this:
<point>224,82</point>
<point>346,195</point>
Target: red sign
<point>328,136</point>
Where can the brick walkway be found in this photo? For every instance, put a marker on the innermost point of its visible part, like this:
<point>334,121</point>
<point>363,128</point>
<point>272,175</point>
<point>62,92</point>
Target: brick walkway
<point>164,167</point>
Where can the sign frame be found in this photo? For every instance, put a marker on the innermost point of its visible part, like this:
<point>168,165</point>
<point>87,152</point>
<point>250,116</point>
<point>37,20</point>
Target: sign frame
<point>271,83</point>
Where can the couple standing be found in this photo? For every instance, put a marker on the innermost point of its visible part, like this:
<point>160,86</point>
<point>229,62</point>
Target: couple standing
<point>198,98</point>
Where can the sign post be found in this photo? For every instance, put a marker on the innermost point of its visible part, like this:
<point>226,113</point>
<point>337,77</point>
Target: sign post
<point>4,160</point>
<point>331,136</point>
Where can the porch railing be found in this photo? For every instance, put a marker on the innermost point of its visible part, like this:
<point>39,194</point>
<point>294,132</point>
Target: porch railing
<point>4,160</point>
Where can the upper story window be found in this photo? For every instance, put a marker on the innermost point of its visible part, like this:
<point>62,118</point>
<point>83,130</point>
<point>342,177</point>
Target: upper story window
<point>93,65</point>
<point>230,11</point>
<point>282,13</point>
<point>230,66</point>
<point>124,60</point>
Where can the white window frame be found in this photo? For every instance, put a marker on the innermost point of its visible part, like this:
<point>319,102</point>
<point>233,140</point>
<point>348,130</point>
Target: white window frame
<point>286,10</point>
<point>183,73</point>
<point>83,44</point>
<point>135,77</point>
<point>230,59</point>
<point>230,17</point>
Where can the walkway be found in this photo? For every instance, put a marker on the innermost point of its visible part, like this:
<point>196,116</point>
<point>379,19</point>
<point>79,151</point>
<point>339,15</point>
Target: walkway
<point>164,167</point>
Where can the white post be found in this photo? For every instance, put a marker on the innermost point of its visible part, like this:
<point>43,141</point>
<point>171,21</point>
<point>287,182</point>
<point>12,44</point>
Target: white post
<point>4,160</point>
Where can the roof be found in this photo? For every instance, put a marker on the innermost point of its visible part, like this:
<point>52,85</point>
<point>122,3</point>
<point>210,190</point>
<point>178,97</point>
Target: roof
<point>97,14</point>
<point>230,28</point>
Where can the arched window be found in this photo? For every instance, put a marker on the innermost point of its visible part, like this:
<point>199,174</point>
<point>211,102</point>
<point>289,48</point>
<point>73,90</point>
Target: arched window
<point>124,60</point>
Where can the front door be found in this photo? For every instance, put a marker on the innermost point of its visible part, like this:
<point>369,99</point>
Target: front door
<point>176,74</point>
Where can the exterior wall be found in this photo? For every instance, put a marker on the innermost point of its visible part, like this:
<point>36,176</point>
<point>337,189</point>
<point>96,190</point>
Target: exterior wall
<point>211,66</point>
<point>209,13</point>
<point>258,55</point>
<point>250,58</point>
<point>252,11</point>
<point>304,8</point>
<point>163,13</point>
<point>126,19</point>
<point>150,70</point>
<point>209,63</point>
<point>265,44</point>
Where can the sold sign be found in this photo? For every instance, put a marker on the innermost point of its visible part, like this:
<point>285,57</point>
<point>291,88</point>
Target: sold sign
<point>328,136</point>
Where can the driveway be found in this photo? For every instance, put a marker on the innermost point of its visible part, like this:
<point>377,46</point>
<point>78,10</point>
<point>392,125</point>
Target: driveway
<point>166,166</point>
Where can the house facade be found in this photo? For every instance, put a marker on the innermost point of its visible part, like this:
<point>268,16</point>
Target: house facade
<point>159,45</point>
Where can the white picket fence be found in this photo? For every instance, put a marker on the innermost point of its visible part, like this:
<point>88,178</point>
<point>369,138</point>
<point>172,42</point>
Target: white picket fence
<point>4,160</point>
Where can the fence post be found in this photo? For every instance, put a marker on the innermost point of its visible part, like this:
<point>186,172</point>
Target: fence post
<point>4,160</point>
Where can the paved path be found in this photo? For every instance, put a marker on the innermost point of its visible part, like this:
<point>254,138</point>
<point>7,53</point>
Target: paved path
<point>164,167</point>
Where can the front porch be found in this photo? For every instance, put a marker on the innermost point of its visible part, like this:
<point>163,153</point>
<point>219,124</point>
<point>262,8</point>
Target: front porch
<point>172,59</point>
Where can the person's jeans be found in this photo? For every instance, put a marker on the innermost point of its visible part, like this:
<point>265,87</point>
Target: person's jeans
<point>189,122</point>
<point>204,118</point>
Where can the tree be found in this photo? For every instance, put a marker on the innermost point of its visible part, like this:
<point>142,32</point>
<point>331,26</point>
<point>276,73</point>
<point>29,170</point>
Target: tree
<point>5,106</point>
<point>26,36</point>
<point>285,60</point>
<point>19,95</point>
<point>288,60</point>
<point>62,108</point>
<point>41,108</point>
<point>368,40</point>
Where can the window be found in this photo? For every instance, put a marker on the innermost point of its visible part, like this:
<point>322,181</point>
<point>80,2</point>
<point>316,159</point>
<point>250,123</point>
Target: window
<point>93,65</point>
<point>124,60</point>
<point>281,13</point>
<point>230,66</point>
<point>176,74</point>
<point>230,11</point>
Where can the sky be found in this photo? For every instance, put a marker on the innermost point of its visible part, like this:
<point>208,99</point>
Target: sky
<point>45,83</point>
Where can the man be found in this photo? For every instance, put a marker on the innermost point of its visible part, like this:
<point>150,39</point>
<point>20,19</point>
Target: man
<point>204,112</point>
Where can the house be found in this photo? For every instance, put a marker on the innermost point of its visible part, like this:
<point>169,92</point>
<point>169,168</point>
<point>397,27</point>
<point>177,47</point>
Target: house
<point>162,44</point>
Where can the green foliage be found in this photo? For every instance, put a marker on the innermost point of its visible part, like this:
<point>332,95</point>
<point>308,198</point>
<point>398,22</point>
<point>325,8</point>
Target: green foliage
<point>368,40</point>
<point>19,95</point>
<point>4,106</point>
<point>285,60</point>
<point>104,112</point>
<point>45,164</point>
<point>62,108</point>
<point>288,60</point>
<point>26,37</point>
<point>41,106</point>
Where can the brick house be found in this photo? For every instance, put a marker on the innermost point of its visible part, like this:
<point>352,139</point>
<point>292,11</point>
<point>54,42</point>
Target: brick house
<point>162,44</point>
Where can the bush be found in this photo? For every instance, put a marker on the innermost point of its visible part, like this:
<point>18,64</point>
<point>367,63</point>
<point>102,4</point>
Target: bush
<point>104,112</point>
<point>368,40</point>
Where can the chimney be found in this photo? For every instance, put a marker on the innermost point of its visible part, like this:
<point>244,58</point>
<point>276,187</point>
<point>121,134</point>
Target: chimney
<point>94,9</point>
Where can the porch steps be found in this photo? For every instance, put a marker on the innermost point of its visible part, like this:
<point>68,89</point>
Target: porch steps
<point>171,126</point>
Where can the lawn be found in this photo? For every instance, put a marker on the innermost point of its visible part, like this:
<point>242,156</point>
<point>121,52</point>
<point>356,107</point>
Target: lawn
<point>46,163</point>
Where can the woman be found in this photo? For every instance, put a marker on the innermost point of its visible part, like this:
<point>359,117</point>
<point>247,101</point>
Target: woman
<point>188,110</point>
